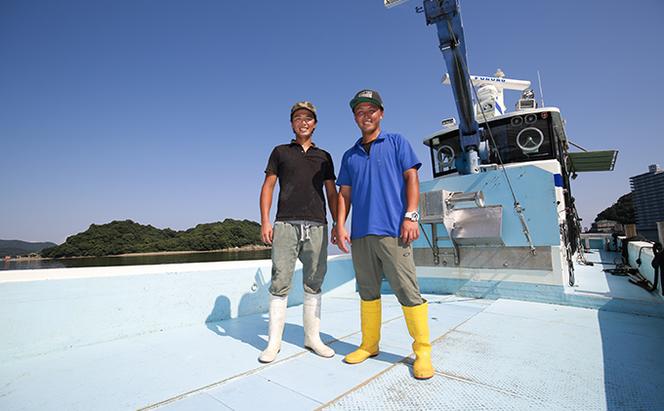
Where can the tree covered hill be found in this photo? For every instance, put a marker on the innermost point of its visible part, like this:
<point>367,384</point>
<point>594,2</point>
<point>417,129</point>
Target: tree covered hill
<point>17,247</point>
<point>621,211</point>
<point>123,237</point>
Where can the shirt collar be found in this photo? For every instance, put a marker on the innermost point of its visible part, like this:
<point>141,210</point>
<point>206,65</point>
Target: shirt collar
<point>294,141</point>
<point>359,143</point>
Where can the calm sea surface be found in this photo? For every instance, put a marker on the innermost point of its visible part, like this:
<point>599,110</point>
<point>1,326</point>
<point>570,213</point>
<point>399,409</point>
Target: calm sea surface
<point>136,260</point>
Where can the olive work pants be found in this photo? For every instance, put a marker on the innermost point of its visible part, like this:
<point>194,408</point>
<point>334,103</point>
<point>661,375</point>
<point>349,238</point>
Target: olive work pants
<point>293,241</point>
<point>374,256</point>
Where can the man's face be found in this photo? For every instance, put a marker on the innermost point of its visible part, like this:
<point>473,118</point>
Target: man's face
<point>303,122</point>
<point>368,117</point>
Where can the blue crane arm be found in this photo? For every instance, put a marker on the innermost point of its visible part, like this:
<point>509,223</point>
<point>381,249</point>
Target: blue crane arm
<point>446,15</point>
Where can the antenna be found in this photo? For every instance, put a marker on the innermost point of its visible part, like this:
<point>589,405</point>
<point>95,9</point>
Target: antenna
<point>539,81</point>
<point>392,3</point>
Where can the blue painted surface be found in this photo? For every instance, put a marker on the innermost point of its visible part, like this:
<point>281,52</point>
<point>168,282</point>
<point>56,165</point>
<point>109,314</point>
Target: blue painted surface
<point>597,244</point>
<point>156,367</point>
<point>44,316</point>
<point>534,188</point>
<point>543,293</point>
<point>511,354</point>
<point>323,380</point>
<point>519,355</point>
<point>594,288</point>
<point>253,392</point>
<point>558,180</point>
<point>487,289</point>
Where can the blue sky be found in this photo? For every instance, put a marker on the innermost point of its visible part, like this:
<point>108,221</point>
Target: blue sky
<point>165,112</point>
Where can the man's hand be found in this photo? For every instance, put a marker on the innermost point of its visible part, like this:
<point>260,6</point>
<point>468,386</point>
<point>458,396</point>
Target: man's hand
<point>266,232</point>
<point>342,238</point>
<point>410,231</point>
<point>333,235</point>
<point>265,203</point>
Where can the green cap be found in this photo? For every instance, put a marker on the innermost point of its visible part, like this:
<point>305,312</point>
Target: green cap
<point>366,96</point>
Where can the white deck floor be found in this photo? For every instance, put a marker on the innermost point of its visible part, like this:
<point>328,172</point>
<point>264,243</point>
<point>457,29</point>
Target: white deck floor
<point>504,354</point>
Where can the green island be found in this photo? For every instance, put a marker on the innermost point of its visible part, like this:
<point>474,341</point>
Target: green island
<point>129,237</point>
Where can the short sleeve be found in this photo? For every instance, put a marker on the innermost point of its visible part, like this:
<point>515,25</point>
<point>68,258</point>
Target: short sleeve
<point>344,178</point>
<point>407,157</point>
<point>273,163</point>
<point>329,168</point>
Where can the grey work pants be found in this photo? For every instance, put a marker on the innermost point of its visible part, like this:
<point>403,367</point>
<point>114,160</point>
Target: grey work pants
<point>292,242</point>
<point>374,256</point>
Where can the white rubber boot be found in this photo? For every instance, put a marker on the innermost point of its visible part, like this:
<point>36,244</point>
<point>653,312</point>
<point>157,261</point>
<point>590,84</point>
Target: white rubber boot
<point>311,317</point>
<point>276,328</point>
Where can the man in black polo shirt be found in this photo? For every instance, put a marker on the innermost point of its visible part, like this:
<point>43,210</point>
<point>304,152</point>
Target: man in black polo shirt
<point>300,230</point>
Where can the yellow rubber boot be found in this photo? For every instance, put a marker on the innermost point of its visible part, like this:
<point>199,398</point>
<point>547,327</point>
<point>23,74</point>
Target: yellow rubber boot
<point>370,315</point>
<point>417,320</point>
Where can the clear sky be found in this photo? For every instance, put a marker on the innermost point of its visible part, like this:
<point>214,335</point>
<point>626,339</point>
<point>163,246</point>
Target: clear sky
<point>165,112</point>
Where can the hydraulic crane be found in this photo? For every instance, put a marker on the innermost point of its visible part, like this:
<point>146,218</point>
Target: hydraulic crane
<point>446,15</point>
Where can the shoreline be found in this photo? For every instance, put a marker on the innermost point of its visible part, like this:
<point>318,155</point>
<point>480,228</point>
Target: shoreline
<point>253,247</point>
<point>223,250</point>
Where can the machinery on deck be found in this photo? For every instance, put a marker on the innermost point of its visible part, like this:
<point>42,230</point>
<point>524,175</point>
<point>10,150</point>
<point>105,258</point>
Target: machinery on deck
<point>501,197</point>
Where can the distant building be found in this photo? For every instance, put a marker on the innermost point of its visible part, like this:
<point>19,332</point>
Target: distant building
<point>606,226</point>
<point>648,199</point>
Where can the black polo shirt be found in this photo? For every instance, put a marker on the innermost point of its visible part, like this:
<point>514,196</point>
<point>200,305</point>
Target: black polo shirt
<point>301,175</point>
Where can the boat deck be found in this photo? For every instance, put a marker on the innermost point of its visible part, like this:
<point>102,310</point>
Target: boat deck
<point>488,354</point>
<point>592,282</point>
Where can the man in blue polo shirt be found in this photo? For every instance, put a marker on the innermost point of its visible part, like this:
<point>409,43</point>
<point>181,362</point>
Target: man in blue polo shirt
<point>379,176</point>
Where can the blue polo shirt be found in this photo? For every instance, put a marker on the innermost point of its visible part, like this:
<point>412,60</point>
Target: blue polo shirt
<point>378,189</point>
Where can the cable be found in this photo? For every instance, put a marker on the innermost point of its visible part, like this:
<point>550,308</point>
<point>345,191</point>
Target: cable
<point>638,259</point>
<point>658,265</point>
<point>426,236</point>
<point>517,206</point>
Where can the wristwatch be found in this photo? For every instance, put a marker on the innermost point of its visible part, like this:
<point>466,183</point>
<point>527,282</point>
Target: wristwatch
<point>413,216</point>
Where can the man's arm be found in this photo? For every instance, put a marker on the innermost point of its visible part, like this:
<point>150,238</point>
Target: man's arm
<point>331,192</point>
<point>410,230</point>
<point>265,203</point>
<point>343,209</point>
